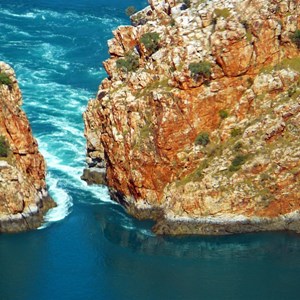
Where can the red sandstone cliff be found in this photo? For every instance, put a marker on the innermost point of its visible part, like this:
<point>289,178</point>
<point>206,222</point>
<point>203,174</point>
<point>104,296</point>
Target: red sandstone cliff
<point>23,194</point>
<point>144,122</point>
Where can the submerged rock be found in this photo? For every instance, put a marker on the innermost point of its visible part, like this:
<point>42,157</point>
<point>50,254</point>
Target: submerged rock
<point>23,194</point>
<point>198,120</point>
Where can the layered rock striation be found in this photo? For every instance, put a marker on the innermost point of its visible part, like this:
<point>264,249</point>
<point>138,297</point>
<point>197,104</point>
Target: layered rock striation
<point>23,194</point>
<point>197,123</point>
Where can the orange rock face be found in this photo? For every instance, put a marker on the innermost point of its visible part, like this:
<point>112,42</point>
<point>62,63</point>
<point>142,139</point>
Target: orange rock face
<point>23,194</point>
<point>144,122</point>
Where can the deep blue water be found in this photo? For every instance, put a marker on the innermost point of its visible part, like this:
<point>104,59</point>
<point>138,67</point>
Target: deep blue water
<point>89,248</point>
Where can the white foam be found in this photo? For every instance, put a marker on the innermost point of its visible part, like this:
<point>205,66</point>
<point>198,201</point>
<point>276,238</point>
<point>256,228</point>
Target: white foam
<point>29,15</point>
<point>63,200</point>
<point>99,194</point>
<point>73,173</point>
<point>54,106</point>
<point>147,232</point>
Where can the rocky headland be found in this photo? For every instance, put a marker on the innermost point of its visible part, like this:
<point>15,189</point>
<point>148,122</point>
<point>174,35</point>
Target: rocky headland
<point>197,123</point>
<point>23,194</point>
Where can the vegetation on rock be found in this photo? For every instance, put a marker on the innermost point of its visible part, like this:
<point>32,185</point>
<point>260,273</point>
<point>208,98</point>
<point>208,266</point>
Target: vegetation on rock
<point>23,187</point>
<point>237,162</point>
<point>202,139</point>
<point>235,83</point>
<point>129,63</point>
<point>238,146</point>
<point>150,41</point>
<point>4,79</point>
<point>224,13</point>
<point>130,10</point>
<point>200,69</point>
<point>187,3</point>
<point>223,114</point>
<point>235,132</point>
<point>4,147</point>
<point>296,38</point>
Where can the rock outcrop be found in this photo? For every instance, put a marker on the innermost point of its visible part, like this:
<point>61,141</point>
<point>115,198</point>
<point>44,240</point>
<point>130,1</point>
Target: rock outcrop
<point>197,123</point>
<point>23,194</point>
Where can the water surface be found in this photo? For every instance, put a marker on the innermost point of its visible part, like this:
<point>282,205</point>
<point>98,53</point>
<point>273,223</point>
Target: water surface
<point>89,248</point>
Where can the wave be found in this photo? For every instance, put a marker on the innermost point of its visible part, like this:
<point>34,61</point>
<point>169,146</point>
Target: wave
<point>63,200</point>
<point>47,49</point>
<point>73,16</point>
<point>27,15</point>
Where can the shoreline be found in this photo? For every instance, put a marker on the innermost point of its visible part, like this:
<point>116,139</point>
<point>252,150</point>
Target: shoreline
<point>31,218</point>
<point>220,225</point>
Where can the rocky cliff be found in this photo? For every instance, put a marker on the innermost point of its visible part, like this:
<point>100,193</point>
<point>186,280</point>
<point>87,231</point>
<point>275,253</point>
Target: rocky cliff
<point>197,123</point>
<point>23,194</point>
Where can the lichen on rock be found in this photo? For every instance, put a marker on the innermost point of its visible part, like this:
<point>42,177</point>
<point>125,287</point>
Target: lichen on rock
<point>144,122</point>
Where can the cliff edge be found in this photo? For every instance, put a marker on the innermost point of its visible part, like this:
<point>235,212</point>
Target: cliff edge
<point>23,194</point>
<point>197,123</point>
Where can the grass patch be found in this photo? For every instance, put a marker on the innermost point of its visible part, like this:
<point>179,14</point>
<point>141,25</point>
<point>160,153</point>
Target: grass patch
<point>249,36</point>
<point>223,13</point>
<point>236,132</point>
<point>293,63</point>
<point>266,69</point>
<point>196,175</point>
<point>162,84</point>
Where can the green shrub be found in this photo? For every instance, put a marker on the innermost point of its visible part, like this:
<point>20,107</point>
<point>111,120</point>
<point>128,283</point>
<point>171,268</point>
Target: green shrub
<point>202,139</point>
<point>200,69</point>
<point>223,114</point>
<point>238,146</point>
<point>187,3</point>
<point>4,79</point>
<point>264,177</point>
<point>172,69</point>
<point>237,162</point>
<point>130,10</point>
<point>235,132</point>
<point>296,38</point>
<point>249,35</point>
<point>129,63</point>
<point>150,41</point>
<point>4,148</point>
<point>292,91</point>
<point>245,24</point>
<point>172,22</point>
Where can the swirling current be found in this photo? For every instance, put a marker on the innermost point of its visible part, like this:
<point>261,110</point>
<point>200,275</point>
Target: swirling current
<point>89,248</point>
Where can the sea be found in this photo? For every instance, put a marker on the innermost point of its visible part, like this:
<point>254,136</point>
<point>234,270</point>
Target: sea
<point>89,248</point>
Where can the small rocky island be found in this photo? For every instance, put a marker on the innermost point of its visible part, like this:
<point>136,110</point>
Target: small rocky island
<point>23,195</point>
<point>198,122</point>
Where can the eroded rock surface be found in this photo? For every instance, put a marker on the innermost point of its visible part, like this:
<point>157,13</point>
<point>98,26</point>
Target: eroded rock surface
<point>144,122</point>
<point>23,194</point>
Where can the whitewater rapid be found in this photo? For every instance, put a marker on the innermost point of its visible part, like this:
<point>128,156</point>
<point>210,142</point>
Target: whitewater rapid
<point>54,61</point>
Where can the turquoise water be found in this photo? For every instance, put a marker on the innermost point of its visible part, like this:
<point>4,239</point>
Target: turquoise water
<point>89,248</point>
